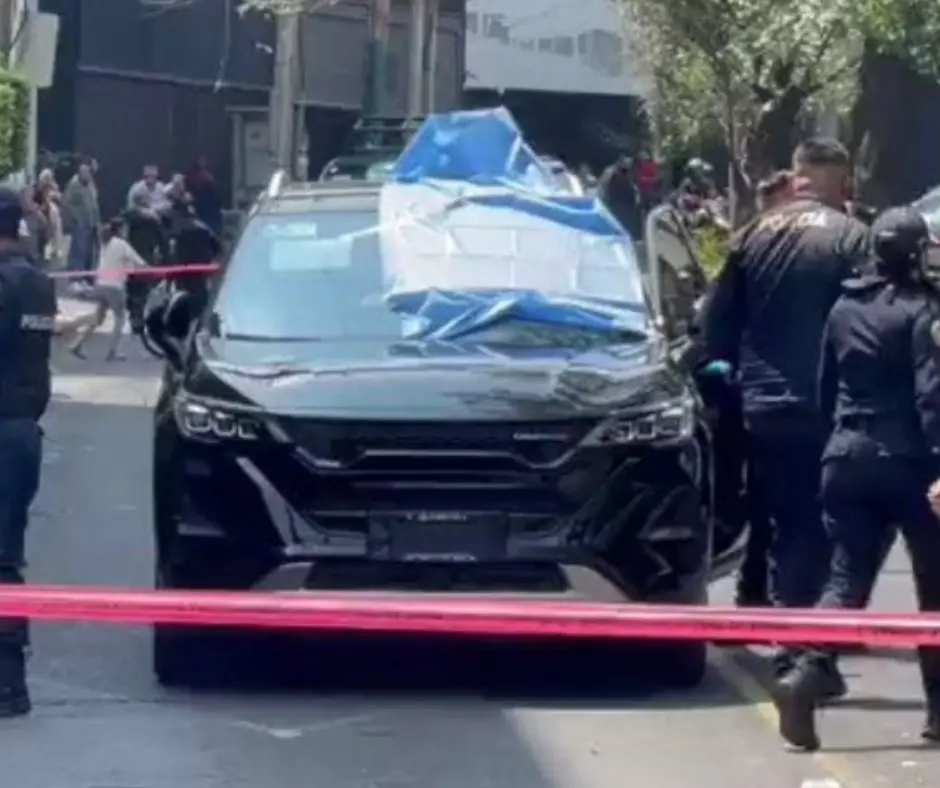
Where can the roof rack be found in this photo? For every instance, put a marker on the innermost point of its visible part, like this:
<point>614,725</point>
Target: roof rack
<point>276,184</point>
<point>382,134</point>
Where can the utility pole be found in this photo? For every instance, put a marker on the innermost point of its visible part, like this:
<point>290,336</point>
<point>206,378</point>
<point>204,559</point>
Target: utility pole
<point>31,41</point>
<point>7,25</point>
<point>282,117</point>
<point>380,34</point>
<point>429,56</point>
<point>417,45</point>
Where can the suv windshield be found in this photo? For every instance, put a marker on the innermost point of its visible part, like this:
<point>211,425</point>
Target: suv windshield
<point>327,275</point>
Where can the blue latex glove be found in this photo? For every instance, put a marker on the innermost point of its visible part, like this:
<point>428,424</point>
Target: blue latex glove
<point>717,369</point>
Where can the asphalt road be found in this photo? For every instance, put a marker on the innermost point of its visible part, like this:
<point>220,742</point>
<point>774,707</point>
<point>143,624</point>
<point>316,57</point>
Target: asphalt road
<point>381,714</point>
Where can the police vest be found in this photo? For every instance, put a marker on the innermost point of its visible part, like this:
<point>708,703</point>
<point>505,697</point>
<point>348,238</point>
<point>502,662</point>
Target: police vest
<point>27,323</point>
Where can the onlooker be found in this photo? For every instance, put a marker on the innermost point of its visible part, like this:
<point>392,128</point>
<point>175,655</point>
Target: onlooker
<point>148,237</point>
<point>81,218</point>
<point>617,188</point>
<point>775,190</point>
<point>150,188</point>
<point>116,259</point>
<point>34,228</point>
<point>49,198</point>
<point>200,183</point>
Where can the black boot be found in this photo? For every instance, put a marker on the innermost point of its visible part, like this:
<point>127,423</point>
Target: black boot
<point>796,696</point>
<point>14,695</point>
<point>931,731</point>
<point>833,684</point>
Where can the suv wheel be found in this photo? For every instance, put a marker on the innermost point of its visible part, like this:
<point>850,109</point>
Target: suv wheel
<point>183,656</point>
<point>682,664</point>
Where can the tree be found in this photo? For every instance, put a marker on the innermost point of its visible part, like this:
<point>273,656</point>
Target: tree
<point>909,30</point>
<point>749,67</point>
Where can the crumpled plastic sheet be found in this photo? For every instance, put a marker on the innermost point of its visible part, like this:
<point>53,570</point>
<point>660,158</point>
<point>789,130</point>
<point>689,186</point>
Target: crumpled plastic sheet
<point>474,230</point>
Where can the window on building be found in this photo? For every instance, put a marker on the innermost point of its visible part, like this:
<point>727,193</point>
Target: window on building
<point>564,45</point>
<point>546,45</point>
<point>473,22</point>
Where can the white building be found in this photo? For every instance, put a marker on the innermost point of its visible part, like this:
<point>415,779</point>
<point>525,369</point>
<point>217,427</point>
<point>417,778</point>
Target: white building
<point>560,46</point>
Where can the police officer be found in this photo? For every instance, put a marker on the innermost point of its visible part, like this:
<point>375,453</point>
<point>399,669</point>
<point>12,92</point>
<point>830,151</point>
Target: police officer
<point>880,386</point>
<point>765,317</point>
<point>27,320</point>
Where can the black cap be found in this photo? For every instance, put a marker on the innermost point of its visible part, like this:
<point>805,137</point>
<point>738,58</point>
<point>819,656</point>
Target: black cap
<point>899,234</point>
<point>11,213</point>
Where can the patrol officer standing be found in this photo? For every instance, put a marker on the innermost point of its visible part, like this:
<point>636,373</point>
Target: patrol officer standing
<point>880,388</point>
<point>27,320</point>
<point>765,317</point>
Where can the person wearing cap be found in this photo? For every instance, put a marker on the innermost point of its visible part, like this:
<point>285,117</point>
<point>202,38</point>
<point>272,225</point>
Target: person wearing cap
<point>879,389</point>
<point>27,320</point>
<point>765,317</point>
<point>618,190</point>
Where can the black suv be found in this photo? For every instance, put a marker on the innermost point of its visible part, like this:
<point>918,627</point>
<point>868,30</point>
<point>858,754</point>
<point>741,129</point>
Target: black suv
<point>302,443</point>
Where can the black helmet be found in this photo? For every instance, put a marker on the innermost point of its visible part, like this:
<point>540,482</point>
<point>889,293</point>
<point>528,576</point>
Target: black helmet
<point>899,240</point>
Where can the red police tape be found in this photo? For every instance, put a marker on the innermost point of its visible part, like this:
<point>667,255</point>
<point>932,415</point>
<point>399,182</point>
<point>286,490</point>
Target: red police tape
<point>150,272</point>
<point>454,616</point>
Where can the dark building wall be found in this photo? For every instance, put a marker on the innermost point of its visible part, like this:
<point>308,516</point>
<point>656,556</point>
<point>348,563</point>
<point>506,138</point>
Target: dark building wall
<point>136,84</point>
<point>335,56</point>
<point>206,41</point>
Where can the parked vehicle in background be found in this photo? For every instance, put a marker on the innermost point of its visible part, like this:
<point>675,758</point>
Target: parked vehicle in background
<point>567,181</point>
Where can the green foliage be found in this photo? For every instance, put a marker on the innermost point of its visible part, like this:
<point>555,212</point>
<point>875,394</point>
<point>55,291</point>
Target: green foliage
<point>748,68</point>
<point>711,247</point>
<point>908,29</point>
<point>14,122</point>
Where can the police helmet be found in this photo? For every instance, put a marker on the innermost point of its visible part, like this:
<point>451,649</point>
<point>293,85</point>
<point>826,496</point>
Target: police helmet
<point>900,237</point>
<point>11,213</point>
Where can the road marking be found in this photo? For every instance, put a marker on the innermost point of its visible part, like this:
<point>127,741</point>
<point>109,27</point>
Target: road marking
<point>286,734</point>
<point>841,773</point>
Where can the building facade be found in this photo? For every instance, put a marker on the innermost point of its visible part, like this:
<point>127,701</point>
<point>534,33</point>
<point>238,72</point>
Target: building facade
<point>141,82</point>
<point>565,69</point>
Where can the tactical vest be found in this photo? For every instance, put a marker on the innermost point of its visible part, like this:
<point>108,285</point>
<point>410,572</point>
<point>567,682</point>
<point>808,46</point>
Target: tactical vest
<point>27,323</point>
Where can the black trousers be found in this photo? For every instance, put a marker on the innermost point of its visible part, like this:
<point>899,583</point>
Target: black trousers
<point>864,499</point>
<point>20,463</point>
<point>786,451</point>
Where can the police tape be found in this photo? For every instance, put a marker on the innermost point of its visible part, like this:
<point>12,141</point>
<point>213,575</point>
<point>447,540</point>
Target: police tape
<point>398,613</point>
<point>150,272</point>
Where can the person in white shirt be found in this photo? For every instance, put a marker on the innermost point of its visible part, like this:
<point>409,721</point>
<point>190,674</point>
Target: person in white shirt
<point>151,189</point>
<point>116,258</point>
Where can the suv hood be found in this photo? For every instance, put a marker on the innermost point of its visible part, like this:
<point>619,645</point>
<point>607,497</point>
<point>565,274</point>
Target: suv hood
<point>375,380</point>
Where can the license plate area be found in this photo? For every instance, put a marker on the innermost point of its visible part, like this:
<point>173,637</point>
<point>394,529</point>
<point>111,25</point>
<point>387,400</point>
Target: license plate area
<point>448,538</point>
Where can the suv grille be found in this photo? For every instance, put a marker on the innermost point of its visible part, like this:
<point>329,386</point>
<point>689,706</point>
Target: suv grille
<point>468,445</point>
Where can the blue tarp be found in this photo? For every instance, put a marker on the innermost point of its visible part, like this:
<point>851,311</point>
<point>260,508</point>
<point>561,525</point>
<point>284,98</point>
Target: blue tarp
<point>468,178</point>
<point>480,147</point>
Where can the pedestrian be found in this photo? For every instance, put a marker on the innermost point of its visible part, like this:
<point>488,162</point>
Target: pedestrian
<point>618,191</point>
<point>147,236</point>
<point>81,218</point>
<point>775,190</point>
<point>207,202</point>
<point>27,320</point>
<point>879,388</point>
<point>49,198</point>
<point>765,318</point>
<point>116,258</point>
<point>149,191</point>
<point>34,231</point>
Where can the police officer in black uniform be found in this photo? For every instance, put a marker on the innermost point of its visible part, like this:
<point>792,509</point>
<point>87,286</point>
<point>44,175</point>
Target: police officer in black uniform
<point>879,384</point>
<point>765,317</point>
<point>27,320</point>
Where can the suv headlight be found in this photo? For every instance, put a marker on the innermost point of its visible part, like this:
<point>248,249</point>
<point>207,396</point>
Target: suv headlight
<point>674,421</point>
<point>207,423</point>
